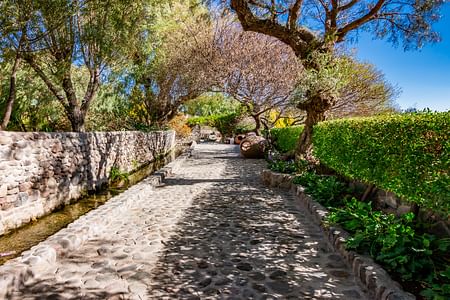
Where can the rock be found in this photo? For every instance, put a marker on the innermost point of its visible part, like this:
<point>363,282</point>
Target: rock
<point>259,287</point>
<point>23,187</point>
<point>202,264</point>
<point>244,266</point>
<point>278,274</point>
<point>257,276</point>
<point>281,287</point>
<point>351,294</point>
<point>13,191</point>
<point>3,190</point>
<point>205,282</point>
<point>339,273</point>
<point>51,183</point>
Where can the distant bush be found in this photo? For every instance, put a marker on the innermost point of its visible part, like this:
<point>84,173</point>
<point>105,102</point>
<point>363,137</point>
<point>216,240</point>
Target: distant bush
<point>285,139</point>
<point>406,154</point>
<point>226,124</point>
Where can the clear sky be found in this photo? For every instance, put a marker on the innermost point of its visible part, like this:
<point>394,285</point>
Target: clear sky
<point>423,75</point>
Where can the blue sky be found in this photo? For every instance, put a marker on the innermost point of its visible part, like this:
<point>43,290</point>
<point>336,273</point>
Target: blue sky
<point>423,75</point>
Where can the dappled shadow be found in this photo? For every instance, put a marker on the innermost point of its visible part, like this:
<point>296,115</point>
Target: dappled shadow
<point>241,240</point>
<point>27,287</point>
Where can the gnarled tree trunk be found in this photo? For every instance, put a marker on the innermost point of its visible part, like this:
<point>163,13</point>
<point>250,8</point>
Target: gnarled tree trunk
<point>315,109</point>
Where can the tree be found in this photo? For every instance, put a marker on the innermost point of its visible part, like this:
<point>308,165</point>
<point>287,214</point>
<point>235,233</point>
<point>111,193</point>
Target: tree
<point>210,104</point>
<point>310,27</point>
<point>61,35</point>
<point>258,71</point>
<point>167,70</point>
<point>12,39</point>
<point>366,93</point>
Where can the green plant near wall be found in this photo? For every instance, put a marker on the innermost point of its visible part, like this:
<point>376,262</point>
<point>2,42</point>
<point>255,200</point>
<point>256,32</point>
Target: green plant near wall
<point>327,190</point>
<point>405,154</point>
<point>397,244</point>
<point>115,174</point>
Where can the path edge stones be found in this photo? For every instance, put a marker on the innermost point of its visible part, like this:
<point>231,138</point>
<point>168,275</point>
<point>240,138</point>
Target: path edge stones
<point>379,284</point>
<point>17,271</point>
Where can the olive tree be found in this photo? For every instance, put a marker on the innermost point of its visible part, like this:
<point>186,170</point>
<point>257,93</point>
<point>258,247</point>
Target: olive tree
<point>317,26</point>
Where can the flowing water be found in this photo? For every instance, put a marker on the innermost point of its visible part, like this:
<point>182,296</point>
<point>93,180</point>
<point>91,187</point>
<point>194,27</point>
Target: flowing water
<point>23,238</point>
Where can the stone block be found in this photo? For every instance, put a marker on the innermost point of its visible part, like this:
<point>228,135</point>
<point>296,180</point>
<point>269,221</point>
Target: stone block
<point>5,153</point>
<point>22,198</point>
<point>3,190</point>
<point>23,187</point>
<point>13,191</point>
<point>4,139</point>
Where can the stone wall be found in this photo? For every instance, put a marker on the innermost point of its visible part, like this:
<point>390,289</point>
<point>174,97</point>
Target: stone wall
<point>41,171</point>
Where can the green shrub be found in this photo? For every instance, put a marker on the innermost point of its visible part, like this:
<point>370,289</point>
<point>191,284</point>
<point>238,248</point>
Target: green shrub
<point>283,166</point>
<point>285,139</point>
<point>226,124</point>
<point>397,245</point>
<point>405,154</point>
<point>327,190</point>
<point>116,174</point>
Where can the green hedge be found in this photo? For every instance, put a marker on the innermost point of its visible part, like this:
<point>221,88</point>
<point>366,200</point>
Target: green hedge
<point>406,154</point>
<point>286,139</point>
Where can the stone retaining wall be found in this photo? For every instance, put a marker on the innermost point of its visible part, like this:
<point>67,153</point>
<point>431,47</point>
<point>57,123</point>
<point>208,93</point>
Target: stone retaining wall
<point>41,171</point>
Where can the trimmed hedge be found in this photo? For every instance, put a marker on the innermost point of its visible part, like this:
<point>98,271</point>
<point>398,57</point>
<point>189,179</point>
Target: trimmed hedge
<point>408,155</point>
<point>286,138</point>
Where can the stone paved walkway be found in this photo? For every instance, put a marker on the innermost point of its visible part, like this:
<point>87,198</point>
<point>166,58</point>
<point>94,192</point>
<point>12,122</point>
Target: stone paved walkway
<point>212,231</point>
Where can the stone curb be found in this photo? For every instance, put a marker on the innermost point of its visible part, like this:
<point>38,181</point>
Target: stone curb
<point>17,271</point>
<point>379,284</point>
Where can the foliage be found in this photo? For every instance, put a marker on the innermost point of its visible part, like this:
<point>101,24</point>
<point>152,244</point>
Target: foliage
<point>115,174</point>
<point>211,104</point>
<point>396,244</point>
<point>166,71</point>
<point>283,166</point>
<point>226,124</point>
<point>179,124</point>
<point>366,92</point>
<point>35,108</point>
<point>59,39</point>
<point>327,190</point>
<point>285,139</point>
<point>406,154</point>
<point>313,29</point>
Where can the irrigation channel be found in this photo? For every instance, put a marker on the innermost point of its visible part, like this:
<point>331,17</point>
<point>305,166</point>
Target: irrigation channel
<point>18,240</point>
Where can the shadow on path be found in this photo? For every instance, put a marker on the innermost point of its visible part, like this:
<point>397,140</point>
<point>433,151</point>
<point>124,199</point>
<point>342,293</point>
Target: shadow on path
<point>241,240</point>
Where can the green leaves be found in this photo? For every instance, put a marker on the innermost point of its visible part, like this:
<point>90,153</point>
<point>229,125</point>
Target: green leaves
<point>327,190</point>
<point>405,154</point>
<point>285,139</point>
<point>397,244</point>
<point>283,166</point>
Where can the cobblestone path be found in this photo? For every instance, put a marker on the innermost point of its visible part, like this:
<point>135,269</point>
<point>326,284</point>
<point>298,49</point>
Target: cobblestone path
<point>212,231</point>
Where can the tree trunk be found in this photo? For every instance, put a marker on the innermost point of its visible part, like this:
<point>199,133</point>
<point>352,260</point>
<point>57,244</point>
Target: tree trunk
<point>76,118</point>
<point>12,93</point>
<point>257,124</point>
<point>304,145</point>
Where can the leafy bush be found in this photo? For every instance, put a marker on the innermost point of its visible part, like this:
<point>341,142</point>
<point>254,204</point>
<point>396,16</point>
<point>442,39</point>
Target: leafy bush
<point>327,190</point>
<point>397,244</point>
<point>285,139</point>
<point>283,166</point>
<point>178,123</point>
<point>226,124</point>
<point>406,154</point>
<point>116,174</point>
